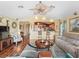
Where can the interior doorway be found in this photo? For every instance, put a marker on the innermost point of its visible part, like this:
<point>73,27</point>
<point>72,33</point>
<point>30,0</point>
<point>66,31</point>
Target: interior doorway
<point>24,27</point>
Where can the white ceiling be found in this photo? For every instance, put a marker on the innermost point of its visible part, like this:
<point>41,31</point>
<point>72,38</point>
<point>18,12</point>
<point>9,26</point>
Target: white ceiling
<point>62,8</point>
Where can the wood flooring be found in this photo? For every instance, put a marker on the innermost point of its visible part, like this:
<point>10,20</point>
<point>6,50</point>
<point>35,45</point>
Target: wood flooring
<point>12,50</point>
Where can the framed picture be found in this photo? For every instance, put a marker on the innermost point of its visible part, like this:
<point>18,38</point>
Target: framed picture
<point>14,24</point>
<point>74,24</point>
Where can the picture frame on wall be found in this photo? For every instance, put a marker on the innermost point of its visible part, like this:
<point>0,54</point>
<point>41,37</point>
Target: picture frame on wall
<point>74,25</point>
<point>14,24</point>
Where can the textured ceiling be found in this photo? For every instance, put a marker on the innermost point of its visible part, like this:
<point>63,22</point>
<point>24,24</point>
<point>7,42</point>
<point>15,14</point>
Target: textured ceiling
<point>62,9</point>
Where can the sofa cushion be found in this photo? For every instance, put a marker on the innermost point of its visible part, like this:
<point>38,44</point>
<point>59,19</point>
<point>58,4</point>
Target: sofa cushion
<point>71,41</point>
<point>76,43</point>
<point>67,47</point>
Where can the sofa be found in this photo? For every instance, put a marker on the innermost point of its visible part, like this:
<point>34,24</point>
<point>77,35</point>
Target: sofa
<point>69,43</point>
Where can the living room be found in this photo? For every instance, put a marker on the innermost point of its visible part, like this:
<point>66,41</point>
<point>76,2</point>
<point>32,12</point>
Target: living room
<point>39,29</point>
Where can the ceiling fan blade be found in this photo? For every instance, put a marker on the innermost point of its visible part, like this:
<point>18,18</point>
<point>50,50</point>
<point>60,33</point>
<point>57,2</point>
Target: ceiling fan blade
<point>33,9</point>
<point>52,6</point>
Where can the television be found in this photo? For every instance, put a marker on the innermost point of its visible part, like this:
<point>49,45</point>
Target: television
<point>4,28</point>
<point>4,32</point>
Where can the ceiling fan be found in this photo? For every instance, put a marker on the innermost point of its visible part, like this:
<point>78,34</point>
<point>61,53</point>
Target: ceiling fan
<point>41,8</point>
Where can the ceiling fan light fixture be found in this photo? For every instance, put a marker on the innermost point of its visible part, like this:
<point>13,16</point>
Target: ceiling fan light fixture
<point>41,8</point>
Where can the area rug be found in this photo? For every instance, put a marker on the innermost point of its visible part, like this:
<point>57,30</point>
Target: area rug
<point>56,51</point>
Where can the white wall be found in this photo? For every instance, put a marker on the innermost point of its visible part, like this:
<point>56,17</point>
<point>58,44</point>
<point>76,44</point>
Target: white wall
<point>3,21</point>
<point>12,30</point>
